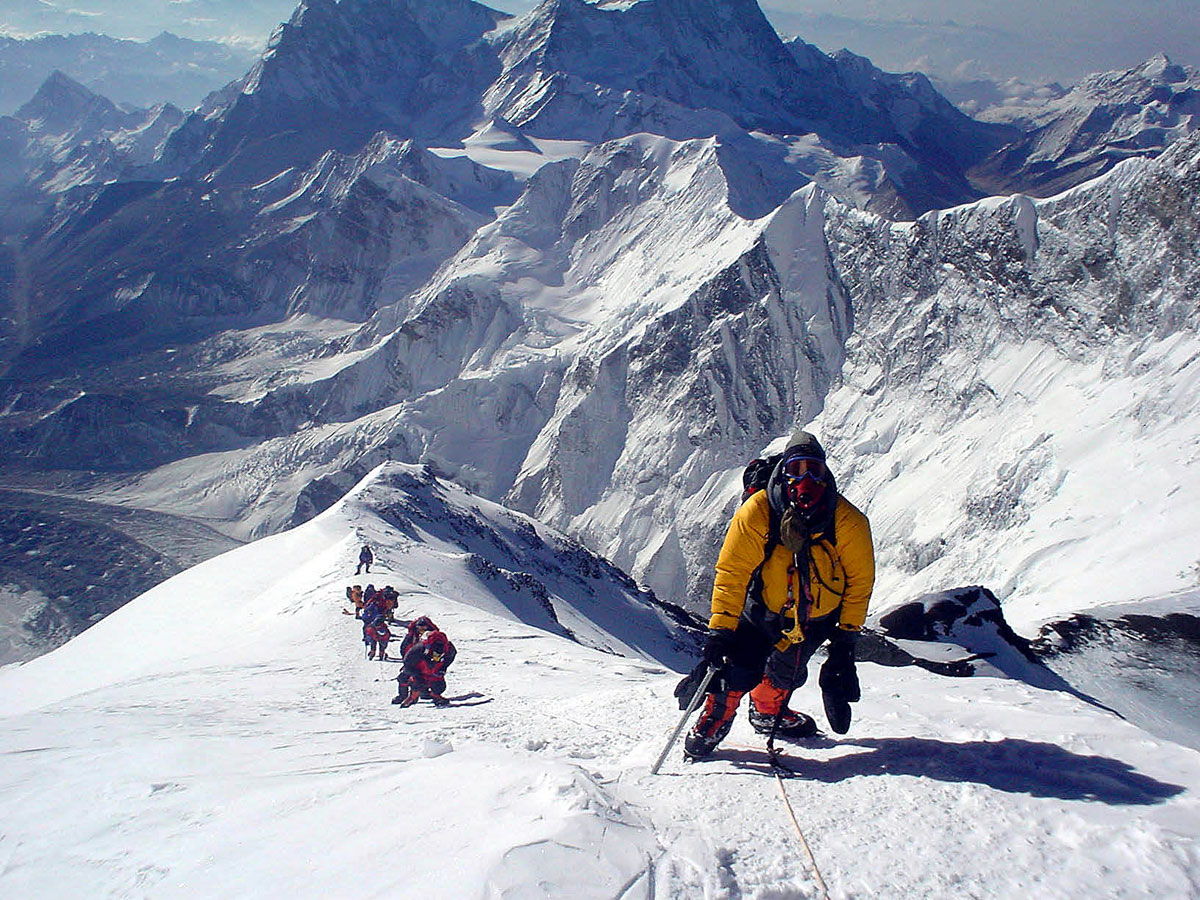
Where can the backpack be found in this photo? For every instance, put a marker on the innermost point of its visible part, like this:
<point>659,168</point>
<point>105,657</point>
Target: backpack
<point>755,477</point>
<point>378,630</point>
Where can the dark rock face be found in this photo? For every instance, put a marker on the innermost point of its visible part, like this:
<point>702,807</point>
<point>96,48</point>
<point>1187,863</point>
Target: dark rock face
<point>1067,636</point>
<point>953,615</point>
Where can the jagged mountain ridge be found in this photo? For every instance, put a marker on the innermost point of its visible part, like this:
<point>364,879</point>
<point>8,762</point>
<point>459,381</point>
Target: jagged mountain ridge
<point>292,90</point>
<point>568,70</point>
<point>1107,117</point>
<point>402,67</point>
<point>348,230</point>
<point>633,440</point>
<point>67,135</point>
<point>696,54</point>
<point>468,354</point>
<point>1079,311</point>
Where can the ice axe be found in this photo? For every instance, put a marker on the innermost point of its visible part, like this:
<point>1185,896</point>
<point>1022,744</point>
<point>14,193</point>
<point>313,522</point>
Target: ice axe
<point>691,708</point>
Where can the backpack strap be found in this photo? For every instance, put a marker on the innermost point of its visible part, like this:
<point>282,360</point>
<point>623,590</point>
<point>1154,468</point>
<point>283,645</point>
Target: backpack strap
<point>773,536</point>
<point>755,609</point>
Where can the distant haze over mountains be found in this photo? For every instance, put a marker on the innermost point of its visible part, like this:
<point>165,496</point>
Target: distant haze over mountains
<point>164,69</point>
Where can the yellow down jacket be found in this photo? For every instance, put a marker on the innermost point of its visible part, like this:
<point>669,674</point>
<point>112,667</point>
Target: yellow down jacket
<point>841,576</point>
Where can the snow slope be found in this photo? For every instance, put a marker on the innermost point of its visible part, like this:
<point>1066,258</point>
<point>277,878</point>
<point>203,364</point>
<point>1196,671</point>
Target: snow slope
<point>223,736</point>
<point>1058,470</point>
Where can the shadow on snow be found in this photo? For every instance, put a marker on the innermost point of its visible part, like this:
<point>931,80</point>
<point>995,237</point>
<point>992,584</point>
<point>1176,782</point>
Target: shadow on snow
<point>1012,765</point>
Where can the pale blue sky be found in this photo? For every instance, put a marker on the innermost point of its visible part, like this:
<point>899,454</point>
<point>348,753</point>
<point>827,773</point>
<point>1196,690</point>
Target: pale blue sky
<point>1034,39</point>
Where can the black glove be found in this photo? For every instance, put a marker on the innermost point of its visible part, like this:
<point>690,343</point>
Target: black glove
<point>718,645</point>
<point>839,678</point>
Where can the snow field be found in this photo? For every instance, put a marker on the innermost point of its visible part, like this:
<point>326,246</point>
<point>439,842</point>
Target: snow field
<point>224,736</point>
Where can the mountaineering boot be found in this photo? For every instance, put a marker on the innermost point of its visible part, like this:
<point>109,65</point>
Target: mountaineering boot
<point>439,700</point>
<point>697,746</point>
<point>712,726</point>
<point>766,700</point>
<point>791,724</point>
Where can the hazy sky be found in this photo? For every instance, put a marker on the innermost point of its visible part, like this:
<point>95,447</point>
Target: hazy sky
<point>1063,39</point>
<point>1031,39</point>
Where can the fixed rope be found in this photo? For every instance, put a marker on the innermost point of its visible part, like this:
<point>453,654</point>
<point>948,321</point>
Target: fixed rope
<point>812,861</point>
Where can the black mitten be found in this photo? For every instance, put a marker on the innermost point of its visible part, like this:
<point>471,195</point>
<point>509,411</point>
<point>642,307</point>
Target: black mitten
<point>839,677</point>
<point>839,682</point>
<point>686,689</point>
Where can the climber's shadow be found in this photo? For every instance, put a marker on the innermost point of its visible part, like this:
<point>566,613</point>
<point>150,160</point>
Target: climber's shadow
<point>1012,765</point>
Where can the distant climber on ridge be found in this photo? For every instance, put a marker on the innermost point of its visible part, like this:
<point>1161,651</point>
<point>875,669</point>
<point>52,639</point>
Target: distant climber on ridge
<point>796,571</point>
<point>365,558</point>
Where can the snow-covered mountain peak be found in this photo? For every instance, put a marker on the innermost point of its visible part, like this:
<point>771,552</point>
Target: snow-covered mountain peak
<point>336,74</point>
<point>576,71</point>
<point>64,106</point>
<point>624,198</point>
<point>695,53</point>
<point>59,92</point>
<point>444,25</point>
<point>389,35</point>
<point>499,134</point>
<point>1160,68</point>
<point>1158,75</point>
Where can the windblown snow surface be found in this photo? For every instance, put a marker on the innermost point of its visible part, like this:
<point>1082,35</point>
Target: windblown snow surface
<point>223,735</point>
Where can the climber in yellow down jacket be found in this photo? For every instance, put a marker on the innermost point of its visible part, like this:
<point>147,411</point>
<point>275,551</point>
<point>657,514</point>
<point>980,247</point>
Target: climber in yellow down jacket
<point>796,571</point>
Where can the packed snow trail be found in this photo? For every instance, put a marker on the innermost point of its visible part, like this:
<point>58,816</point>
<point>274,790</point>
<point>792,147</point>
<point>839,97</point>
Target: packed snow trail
<point>225,736</point>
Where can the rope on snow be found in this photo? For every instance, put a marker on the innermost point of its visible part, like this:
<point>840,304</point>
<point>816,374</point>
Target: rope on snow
<point>812,861</point>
